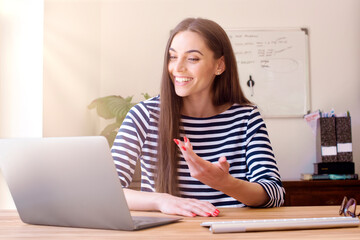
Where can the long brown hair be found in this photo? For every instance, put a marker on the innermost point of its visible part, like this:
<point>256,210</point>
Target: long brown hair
<point>226,89</point>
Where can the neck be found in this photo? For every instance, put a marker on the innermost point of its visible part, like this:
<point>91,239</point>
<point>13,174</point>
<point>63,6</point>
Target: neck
<point>201,108</point>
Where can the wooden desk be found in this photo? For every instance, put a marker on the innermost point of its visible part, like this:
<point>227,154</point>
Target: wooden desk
<point>315,193</point>
<point>11,227</point>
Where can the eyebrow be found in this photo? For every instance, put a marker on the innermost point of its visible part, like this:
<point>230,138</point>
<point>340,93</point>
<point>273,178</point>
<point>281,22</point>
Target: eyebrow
<point>189,51</point>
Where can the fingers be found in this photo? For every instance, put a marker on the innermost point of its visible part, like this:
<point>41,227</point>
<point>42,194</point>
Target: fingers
<point>195,210</point>
<point>222,160</point>
<point>223,164</point>
<point>188,207</point>
<point>187,143</point>
<point>186,148</point>
<point>183,145</point>
<point>200,213</point>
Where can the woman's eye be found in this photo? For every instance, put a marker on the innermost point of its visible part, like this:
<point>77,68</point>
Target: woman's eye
<point>193,59</point>
<point>172,57</point>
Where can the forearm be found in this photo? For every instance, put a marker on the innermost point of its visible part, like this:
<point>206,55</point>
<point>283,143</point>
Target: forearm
<point>249,193</point>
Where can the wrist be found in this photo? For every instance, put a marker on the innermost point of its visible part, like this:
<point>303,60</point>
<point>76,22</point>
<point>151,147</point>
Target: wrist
<point>229,183</point>
<point>158,200</point>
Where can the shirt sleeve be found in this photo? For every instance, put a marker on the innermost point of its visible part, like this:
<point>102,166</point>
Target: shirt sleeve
<point>128,143</point>
<point>260,159</point>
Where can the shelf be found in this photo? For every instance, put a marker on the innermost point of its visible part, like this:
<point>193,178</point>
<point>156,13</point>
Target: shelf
<point>320,192</point>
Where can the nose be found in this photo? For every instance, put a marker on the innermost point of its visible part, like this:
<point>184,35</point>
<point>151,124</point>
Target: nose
<point>179,65</point>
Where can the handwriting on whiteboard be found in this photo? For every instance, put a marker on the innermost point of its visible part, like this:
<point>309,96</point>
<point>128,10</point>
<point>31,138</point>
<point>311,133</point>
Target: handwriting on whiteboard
<point>269,54</point>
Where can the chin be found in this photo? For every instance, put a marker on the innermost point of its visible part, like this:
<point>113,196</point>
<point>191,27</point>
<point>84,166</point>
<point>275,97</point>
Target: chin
<point>181,93</point>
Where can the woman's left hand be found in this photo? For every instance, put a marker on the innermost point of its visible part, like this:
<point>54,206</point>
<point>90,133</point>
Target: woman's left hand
<point>211,174</point>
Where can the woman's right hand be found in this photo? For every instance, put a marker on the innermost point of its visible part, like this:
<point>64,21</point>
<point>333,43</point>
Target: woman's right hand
<point>188,207</point>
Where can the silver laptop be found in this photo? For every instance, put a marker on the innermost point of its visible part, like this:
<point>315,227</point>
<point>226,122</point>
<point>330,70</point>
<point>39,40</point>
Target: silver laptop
<point>70,181</point>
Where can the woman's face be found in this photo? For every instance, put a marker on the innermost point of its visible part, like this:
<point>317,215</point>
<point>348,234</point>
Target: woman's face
<point>192,66</point>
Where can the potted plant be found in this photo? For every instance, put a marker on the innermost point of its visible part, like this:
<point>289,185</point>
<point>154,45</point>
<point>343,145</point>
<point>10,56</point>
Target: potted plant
<point>113,107</point>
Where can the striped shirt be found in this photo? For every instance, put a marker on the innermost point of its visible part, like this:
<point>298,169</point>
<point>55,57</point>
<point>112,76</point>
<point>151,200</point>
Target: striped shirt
<point>239,134</point>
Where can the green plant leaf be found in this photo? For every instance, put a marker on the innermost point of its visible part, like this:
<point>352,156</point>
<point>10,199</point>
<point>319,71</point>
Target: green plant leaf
<point>110,107</point>
<point>110,128</point>
<point>146,96</point>
<point>102,106</point>
<point>120,107</point>
<point>111,137</point>
<point>120,119</point>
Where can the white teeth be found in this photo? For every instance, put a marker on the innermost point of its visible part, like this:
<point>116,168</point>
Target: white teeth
<point>183,79</point>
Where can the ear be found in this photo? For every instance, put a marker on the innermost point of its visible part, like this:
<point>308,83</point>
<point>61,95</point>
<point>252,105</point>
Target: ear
<point>220,66</point>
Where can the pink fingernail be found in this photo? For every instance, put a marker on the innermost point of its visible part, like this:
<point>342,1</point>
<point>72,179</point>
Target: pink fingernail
<point>193,214</point>
<point>185,139</point>
<point>184,148</point>
<point>176,141</point>
<point>208,214</point>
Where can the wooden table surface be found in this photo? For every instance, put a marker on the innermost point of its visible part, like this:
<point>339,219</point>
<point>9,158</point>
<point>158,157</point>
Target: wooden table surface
<point>11,227</point>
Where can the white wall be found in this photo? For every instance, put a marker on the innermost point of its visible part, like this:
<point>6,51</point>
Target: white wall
<point>134,34</point>
<point>107,47</point>
<point>95,48</point>
<point>71,66</point>
<point>21,69</point>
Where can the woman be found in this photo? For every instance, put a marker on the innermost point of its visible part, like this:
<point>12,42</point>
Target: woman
<point>201,143</point>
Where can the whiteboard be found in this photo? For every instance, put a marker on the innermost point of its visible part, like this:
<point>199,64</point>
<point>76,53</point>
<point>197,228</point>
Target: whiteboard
<point>277,61</point>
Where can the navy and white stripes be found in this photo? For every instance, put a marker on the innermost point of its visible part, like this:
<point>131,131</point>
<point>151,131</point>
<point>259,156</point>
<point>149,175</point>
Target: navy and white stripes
<point>239,134</point>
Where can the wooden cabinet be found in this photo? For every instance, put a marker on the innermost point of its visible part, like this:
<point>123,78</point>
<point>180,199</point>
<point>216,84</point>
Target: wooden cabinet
<point>316,193</point>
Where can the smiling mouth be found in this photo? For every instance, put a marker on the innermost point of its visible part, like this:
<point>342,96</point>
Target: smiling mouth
<point>183,79</point>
